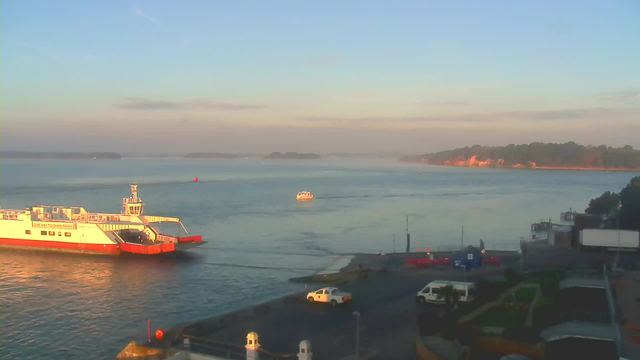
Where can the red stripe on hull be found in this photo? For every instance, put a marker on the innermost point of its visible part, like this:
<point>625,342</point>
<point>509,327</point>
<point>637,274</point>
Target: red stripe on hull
<point>195,239</point>
<point>59,246</point>
<point>148,249</point>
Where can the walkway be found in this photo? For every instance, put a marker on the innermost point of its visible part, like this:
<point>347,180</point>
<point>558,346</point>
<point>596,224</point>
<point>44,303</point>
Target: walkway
<point>627,289</point>
<point>532,307</point>
<point>581,282</point>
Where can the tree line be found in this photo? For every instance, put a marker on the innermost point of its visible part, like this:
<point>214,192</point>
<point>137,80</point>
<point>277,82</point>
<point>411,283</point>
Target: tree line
<point>568,154</point>
<point>619,209</point>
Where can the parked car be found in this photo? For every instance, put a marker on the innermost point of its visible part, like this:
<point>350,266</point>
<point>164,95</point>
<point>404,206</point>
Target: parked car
<point>430,293</point>
<point>329,295</point>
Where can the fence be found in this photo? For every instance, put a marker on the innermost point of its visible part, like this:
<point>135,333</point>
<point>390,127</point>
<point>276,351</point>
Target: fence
<point>487,246</point>
<point>229,351</point>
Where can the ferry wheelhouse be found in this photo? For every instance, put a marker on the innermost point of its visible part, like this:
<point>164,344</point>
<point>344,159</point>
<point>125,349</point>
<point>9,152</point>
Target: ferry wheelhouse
<point>74,229</point>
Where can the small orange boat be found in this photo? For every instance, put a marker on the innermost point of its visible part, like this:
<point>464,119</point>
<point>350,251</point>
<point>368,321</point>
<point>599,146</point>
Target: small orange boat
<point>304,195</point>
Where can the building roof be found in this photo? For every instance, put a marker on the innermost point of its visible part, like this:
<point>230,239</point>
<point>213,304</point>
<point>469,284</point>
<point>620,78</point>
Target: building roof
<point>564,229</point>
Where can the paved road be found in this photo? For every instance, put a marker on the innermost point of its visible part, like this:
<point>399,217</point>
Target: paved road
<point>388,320</point>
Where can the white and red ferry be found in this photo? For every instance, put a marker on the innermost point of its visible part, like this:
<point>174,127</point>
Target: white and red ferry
<point>73,229</point>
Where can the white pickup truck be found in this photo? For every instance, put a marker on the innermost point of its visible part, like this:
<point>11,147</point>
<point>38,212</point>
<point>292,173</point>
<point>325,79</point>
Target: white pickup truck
<point>329,295</point>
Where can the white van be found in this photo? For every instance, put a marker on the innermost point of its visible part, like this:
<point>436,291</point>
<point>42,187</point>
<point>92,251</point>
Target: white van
<point>430,293</point>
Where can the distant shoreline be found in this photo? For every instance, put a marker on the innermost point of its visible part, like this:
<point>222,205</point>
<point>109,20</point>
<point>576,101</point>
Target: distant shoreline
<point>537,155</point>
<point>28,155</point>
<point>291,156</point>
<point>530,168</point>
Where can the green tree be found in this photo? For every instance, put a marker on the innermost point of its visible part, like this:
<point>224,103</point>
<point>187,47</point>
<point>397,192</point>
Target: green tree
<point>549,282</point>
<point>630,205</point>
<point>604,204</point>
<point>450,295</point>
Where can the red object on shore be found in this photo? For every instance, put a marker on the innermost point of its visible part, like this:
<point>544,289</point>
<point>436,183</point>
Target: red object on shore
<point>195,179</point>
<point>426,262</point>
<point>159,334</point>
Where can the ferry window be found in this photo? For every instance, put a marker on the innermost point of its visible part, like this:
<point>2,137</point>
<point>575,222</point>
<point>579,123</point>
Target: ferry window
<point>5,217</point>
<point>28,232</point>
<point>52,233</point>
<point>43,232</point>
<point>67,234</point>
<point>59,233</point>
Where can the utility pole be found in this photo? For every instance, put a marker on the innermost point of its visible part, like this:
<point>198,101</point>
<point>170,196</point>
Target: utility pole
<point>357,314</point>
<point>521,255</point>
<point>462,239</point>
<point>408,236</point>
<point>394,243</point>
<point>615,264</point>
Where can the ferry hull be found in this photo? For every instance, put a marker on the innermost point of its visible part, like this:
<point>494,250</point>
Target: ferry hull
<point>58,246</point>
<point>75,230</point>
<point>99,249</point>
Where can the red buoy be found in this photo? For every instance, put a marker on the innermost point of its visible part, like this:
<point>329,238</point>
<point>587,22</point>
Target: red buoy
<point>159,334</point>
<point>195,179</point>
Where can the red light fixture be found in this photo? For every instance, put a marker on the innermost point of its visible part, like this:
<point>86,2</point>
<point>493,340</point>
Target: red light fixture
<point>159,334</point>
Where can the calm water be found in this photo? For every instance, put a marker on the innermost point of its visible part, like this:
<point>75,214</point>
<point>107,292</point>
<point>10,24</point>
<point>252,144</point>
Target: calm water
<point>65,306</point>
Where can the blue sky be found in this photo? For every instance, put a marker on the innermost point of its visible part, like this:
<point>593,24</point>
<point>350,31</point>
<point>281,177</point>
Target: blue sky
<point>408,76</point>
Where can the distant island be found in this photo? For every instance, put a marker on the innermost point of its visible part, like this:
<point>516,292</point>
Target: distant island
<point>570,156</point>
<point>206,155</point>
<point>292,155</point>
<point>363,155</point>
<point>60,155</point>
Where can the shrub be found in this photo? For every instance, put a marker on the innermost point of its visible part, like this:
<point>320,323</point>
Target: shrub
<point>489,290</point>
<point>523,335</point>
<point>428,323</point>
<point>513,277</point>
<point>549,283</point>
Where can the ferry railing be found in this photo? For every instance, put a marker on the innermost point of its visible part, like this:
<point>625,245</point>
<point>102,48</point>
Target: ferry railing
<point>167,238</point>
<point>227,350</point>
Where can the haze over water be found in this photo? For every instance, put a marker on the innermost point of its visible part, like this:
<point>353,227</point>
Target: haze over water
<point>68,306</point>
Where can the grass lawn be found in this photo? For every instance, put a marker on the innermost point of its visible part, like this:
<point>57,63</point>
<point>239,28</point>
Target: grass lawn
<point>525,294</point>
<point>544,301</point>
<point>501,317</point>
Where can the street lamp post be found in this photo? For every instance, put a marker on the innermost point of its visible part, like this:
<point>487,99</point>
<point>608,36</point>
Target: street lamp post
<point>615,264</point>
<point>357,314</point>
<point>464,278</point>
<point>521,255</point>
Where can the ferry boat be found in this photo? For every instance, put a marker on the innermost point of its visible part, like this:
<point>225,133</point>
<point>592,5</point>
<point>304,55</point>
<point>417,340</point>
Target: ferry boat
<point>304,195</point>
<point>74,229</point>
